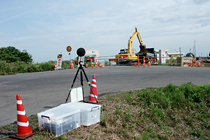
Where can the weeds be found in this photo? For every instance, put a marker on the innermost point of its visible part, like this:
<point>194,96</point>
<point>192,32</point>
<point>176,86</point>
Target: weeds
<point>118,111</point>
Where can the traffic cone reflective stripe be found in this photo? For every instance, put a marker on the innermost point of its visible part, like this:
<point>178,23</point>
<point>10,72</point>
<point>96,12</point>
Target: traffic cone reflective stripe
<point>93,96</point>
<point>93,91</point>
<point>21,112</point>
<point>93,82</point>
<point>19,102</point>
<point>23,124</point>
<point>22,121</point>
<point>93,85</point>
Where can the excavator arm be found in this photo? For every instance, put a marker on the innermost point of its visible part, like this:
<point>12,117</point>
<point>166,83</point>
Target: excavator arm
<point>130,41</point>
<point>139,37</point>
<point>142,46</point>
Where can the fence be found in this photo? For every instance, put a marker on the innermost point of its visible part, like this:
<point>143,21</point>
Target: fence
<point>169,61</point>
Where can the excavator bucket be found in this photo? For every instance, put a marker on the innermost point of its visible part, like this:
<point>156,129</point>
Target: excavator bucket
<point>142,50</point>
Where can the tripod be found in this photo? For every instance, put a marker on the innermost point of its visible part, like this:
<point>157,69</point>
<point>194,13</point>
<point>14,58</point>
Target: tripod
<point>80,68</point>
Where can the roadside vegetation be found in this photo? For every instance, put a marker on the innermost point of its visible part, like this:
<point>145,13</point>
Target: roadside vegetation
<point>13,61</point>
<point>165,113</point>
<point>22,67</point>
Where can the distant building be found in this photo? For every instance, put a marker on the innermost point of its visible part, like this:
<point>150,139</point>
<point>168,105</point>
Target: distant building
<point>170,55</point>
<point>94,53</point>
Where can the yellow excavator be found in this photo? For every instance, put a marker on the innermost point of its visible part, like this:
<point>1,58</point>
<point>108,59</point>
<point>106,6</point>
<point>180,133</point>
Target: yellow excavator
<point>127,55</point>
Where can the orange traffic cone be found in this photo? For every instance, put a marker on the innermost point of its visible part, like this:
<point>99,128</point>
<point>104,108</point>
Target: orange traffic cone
<point>55,66</point>
<point>96,63</point>
<point>91,63</point>
<point>24,130</point>
<point>199,64</point>
<point>149,64</point>
<point>93,93</point>
<point>71,65</point>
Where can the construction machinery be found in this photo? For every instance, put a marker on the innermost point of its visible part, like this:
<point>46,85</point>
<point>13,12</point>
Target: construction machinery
<point>127,56</point>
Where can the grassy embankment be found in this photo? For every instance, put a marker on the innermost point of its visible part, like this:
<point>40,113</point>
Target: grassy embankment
<point>164,113</point>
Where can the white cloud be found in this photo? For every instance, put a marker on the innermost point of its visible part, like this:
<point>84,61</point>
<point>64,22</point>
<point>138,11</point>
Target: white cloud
<point>43,26</point>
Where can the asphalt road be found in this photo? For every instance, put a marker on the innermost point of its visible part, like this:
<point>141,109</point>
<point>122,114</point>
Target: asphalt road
<point>42,90</point>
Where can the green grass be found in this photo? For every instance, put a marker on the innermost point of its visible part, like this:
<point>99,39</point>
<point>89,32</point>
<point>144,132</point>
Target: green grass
<point>165,113</point>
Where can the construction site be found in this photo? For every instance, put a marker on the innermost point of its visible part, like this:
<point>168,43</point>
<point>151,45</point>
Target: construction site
<point>88,109</point>
<point>145,55</point>
<point>104,70</point>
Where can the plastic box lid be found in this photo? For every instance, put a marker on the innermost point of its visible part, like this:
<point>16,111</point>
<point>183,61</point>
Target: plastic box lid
<point>82,106</point>
<point>59,112</point>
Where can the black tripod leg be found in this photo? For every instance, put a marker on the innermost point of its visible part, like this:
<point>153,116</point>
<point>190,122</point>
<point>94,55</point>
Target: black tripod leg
<point>81,80</point>
<point>72,85</point>
<point>89,85</point>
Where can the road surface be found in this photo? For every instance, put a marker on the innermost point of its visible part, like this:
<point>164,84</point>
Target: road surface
<point>42,90</point>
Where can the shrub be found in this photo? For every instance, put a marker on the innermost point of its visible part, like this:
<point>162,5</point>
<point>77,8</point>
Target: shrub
<point>23,67</point>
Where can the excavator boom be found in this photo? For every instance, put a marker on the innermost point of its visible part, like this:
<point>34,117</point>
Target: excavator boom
<point>130,41</point>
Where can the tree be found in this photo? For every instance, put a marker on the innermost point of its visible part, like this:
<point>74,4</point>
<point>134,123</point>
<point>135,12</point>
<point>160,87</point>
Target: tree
<point>11,54</point>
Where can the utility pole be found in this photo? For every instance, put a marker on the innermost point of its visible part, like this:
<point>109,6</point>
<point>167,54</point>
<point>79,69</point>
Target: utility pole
<point>194,48</point>
<point>180,51</point>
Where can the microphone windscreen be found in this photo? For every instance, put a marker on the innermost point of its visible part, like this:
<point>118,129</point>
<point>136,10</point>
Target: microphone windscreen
<point>81,52</point>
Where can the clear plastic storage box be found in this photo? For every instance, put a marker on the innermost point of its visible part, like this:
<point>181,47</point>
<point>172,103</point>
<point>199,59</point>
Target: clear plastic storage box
<point>89,113</point>
<point>59,120</point>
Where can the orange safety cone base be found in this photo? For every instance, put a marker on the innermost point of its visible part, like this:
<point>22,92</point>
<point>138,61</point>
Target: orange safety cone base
<point>99,102</point>
<point>24,133</point>
<point>13,136</point>
<point>94,102</point>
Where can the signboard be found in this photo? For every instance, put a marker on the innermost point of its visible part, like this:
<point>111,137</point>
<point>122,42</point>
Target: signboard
<point>89,58</point>
<point>162,56</point>
<point>76,94</point>
<point>68,48</point>
<point>59,61</point>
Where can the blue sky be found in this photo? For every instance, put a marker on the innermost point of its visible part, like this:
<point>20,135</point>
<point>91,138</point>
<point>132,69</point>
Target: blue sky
<point>45,27</point>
